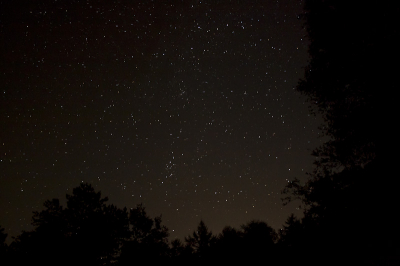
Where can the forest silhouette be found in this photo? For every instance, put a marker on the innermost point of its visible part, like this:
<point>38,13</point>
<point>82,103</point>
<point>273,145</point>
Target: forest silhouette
<point>349,201</point>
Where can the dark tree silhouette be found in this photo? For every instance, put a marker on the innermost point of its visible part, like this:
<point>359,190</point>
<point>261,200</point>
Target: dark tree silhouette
<point>348,79</point>
<point>230,246</point>
<point>87,232</point>
<point>3,246</point>
<point>90,232</point>
<point>202,242</point>
<point>177,248</point>
<point>256,230</point>
<point>3,237</point>
<point>148,239</point>
<point>291,234</point>
<point>180,254</point>
<point>350,75</point>
<point>259,239</point>
<point>335,216</point>
<point>96,229</point>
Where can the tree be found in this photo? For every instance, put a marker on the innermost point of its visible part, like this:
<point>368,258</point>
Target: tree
<point>259,241</point>
<point>292,233</point>
<point>87,232</point>
<point>140,222</point>
<point>259,234</point>
<point>180,254</point>
<point>3,246</point>
<point>96,229</point>
<point>201,241</point>
<point>148,239</point>
<point>230,246</point>
<point>350,76</point>
<point>230,237</point>
<point>348,80</point>
<point>90,232</point>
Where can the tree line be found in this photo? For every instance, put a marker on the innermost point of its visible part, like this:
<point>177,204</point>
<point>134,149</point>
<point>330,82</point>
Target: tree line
<point>91,232</point>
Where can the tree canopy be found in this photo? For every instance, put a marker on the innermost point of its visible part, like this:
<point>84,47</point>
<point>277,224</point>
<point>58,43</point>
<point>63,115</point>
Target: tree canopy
<point>350,75</point>
<point>88,231</point>
<point>348,80</point>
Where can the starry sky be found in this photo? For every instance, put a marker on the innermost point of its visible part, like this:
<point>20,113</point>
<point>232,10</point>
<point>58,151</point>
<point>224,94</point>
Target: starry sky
<point>188,107</point>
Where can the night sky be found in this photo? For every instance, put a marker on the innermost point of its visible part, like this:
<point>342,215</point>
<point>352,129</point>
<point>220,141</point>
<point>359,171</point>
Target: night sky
<point>186,106</point>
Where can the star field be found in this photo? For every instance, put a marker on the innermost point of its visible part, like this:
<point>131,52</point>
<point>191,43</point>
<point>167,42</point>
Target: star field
<point>186,106</point>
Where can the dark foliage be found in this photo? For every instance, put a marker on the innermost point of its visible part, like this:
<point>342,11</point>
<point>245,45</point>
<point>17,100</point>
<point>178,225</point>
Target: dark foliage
<point>90,232</point>
<point>254,242</point>
<point>3,245</point>
<point>230,246</point>
<point>350,75</point>
<point>87,232</point>
<point>147,239</point>
<point>201,241</point>
<point>350,196</point>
